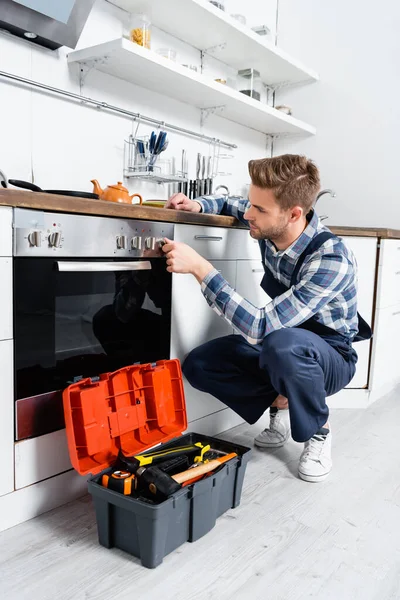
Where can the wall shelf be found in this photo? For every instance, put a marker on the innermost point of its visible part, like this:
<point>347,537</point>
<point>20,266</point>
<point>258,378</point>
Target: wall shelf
<point>202,25</point>
<point>145,68</point>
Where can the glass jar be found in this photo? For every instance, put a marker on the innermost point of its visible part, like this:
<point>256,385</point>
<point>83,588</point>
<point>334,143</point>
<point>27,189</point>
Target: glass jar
<point>140,30</point>
<point>249,83</point>
<point>218,3</point>
<point>167,53</point>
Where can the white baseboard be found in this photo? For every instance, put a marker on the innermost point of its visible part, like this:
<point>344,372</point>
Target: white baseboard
<point>34,500</point>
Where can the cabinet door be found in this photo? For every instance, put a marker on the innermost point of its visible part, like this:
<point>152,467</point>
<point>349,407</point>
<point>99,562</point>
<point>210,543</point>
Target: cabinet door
<point>193,323</point>
<point>364,250</point>
<point>249,274</point>
<point>385,361</point>
<point>6,417</point>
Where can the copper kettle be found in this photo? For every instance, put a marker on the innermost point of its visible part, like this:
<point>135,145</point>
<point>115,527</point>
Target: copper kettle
<point>115,193</point>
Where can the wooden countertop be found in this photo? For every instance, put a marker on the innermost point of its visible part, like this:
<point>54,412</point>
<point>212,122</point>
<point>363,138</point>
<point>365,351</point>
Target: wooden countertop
<point>69,204</point>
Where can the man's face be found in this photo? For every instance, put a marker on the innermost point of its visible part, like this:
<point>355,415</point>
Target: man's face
<point>266,218</point>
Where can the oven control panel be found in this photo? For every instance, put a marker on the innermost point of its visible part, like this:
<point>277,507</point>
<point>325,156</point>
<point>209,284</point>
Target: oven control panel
<point>54,234</point>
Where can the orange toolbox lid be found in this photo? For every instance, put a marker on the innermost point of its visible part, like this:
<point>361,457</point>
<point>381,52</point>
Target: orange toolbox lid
<point>132,409</point>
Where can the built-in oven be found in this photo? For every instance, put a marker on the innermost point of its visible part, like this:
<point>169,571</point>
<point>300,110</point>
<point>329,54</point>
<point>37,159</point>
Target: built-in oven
<point>91,295</point>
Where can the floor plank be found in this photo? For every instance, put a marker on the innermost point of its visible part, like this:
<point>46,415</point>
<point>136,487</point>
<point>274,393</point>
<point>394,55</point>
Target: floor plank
<point>288,540</point>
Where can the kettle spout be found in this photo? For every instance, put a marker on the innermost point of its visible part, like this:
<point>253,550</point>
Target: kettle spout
<point>96,187</point>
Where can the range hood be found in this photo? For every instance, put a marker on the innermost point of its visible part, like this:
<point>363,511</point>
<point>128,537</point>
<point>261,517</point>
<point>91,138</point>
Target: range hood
<point>49,23</point>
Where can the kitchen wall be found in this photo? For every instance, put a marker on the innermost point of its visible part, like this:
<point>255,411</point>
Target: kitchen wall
<point>61,144</point>
<point>355,47</point>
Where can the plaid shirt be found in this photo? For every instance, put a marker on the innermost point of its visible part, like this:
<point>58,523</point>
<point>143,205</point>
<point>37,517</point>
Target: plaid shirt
<point>326,287</point>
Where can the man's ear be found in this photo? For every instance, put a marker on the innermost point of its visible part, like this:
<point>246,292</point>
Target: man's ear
<point>296,214</point>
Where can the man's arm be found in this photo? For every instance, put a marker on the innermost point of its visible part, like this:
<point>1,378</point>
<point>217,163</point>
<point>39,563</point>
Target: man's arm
<point>322,279</point>
<point>232,206</point>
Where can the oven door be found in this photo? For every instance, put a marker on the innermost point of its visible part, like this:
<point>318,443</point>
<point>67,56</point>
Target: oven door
<point>81,318</point>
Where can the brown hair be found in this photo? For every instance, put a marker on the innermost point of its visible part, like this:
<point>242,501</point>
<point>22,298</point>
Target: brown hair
<point>294,179</point>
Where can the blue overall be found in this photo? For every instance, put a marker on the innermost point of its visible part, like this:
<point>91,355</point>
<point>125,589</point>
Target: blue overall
<point>305,364</point>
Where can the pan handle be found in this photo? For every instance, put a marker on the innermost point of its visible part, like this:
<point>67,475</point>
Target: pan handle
<point>25,185</point>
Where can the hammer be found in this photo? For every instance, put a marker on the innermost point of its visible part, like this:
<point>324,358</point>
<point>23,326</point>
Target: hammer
<point>162,486</point>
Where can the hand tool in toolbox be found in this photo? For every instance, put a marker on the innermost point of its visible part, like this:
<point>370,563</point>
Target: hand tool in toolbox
<point>120,481</point>
<point>132,463</point>
<point>127,466</point>
<point>161,486</point>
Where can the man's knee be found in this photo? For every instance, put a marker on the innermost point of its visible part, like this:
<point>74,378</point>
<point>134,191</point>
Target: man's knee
<point>282,349</point>
<point>193,365</point>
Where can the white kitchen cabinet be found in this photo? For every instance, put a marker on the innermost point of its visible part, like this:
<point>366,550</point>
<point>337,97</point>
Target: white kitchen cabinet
<point>385,372</point>
<point>193,323</point>
<point>6,417</point>
<point>6,214</point>
<point>249,274</point>
<point>40,458</point>
<point>213,243</point>
<point>388,285</point>
<point>6,309</point>
<point>364,249</point>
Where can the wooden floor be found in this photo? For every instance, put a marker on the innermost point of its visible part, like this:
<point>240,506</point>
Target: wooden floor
<point>288,540</point>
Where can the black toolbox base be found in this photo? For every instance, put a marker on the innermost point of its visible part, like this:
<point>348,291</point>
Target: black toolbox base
<point>151,531</point>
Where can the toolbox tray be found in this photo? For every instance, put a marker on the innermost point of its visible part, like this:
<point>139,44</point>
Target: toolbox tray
<point>125,410</point>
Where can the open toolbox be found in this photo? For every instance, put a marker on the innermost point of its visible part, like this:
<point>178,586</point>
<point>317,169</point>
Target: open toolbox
<point>138,413</point>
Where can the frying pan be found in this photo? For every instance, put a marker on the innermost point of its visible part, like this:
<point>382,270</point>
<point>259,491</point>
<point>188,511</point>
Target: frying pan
<point>26,185</point>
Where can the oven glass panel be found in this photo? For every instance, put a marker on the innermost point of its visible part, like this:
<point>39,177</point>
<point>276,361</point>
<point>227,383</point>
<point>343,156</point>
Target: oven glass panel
<point>69,325</point>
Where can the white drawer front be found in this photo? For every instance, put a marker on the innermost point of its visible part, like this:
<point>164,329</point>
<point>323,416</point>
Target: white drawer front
<point>388,293</point>
<point>7,417</point>
<point>213,243</point>
<point>390,253</point>
<point>248,248</point>
<point>5,231</point>
<point>6,314</point>
<point>385,351</point>
<point>249,274</point>
<point>40,458</point>
<point>388,286</point>
<point>194,323</point>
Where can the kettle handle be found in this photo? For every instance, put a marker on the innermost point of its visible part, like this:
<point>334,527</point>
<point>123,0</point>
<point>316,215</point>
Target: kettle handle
<point>137,196</point>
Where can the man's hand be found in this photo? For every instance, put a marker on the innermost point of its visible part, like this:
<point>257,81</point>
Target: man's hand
<point>182,202</point>
<point>181,258</point>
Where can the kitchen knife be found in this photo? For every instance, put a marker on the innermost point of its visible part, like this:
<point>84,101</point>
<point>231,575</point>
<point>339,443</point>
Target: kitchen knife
<point>209,180</point>
<point>203,173</point>
<point>198,169</point>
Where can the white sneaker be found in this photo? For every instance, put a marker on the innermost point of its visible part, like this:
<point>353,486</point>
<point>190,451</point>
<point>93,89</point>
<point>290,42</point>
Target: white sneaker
<point>315,461</point>
<point>278,432</point>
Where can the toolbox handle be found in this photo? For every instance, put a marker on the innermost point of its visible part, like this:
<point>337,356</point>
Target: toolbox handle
<point>82,267</point>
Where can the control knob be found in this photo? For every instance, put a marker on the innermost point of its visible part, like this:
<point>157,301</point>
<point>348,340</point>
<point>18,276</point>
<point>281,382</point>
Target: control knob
<point>137,242</point>
<point>35,238</point>
<point>150,243</point>
<point>121,242</point>
<point>55,239</point>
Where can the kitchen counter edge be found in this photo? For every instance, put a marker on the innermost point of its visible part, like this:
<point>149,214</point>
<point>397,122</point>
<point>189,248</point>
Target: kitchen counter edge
<point>83,206</point>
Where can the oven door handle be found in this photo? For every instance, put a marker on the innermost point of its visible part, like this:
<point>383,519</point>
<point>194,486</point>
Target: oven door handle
<point>83,267</point>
